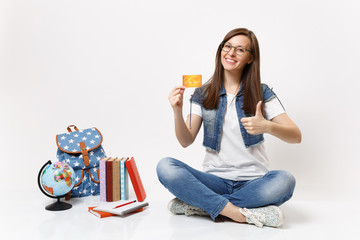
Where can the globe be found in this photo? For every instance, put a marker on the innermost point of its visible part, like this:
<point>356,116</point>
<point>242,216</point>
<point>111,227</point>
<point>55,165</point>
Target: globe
<point>55,180</point>
<point>58,179</point>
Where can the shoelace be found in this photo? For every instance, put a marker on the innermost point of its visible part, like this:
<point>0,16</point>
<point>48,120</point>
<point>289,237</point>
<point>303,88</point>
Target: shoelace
<point>251,217</point>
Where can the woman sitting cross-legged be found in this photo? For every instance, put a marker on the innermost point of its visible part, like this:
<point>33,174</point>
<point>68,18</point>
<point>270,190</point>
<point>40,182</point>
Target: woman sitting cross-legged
<point>236,110</point>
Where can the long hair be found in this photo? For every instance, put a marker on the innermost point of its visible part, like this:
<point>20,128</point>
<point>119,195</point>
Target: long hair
<point>250,78</point>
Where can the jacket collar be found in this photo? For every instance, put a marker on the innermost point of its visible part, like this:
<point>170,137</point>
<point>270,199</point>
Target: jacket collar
<point>222,90</point>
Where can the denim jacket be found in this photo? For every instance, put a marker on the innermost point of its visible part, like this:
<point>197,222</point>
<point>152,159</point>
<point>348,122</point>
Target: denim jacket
<point>213,118</point>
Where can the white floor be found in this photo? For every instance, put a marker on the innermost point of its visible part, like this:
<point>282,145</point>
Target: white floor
<point>26,218</point>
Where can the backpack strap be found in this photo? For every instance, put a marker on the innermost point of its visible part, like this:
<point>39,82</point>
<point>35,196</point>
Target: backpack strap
<point>85,154</point>
<point>69,128</point>
<point>67,197</point>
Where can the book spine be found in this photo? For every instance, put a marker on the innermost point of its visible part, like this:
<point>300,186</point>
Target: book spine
<point>109,180</point>
<point>103,179</point>
<point>116,180</point>
<point>135,179</point>
<point>124,181</point>
<point>100,214</point>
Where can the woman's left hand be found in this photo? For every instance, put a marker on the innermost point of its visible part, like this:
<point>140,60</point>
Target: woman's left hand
<point>257,124</point>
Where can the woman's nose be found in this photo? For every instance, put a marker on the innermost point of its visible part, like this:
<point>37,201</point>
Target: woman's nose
<point>232,51</point>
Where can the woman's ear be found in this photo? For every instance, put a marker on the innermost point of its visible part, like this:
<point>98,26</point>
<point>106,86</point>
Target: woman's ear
<point>251,58</point>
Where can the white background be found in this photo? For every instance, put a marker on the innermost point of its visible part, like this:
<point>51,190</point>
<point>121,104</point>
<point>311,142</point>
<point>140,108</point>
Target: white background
<point>111,65</point>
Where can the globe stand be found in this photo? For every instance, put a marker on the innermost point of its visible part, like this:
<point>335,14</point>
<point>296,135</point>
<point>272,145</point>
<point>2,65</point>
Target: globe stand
<point>58,205</point>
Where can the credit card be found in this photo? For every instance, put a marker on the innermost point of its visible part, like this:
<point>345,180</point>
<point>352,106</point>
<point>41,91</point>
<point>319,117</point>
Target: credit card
<point>192,81</point>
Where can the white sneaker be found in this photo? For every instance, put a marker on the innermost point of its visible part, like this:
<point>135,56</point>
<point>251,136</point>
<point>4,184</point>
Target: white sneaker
<point>264,216</point>
<point>178,207</point>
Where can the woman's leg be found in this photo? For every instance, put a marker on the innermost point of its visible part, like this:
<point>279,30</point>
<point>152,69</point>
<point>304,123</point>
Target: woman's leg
<point>274,188</point>
<point>194,187</point>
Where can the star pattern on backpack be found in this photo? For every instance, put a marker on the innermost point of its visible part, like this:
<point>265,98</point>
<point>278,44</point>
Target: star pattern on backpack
<point>69,151</point>
<point>70,142</point>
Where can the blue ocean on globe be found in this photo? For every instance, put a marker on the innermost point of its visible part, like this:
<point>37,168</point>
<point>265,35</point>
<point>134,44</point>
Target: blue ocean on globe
<point>58,179</point>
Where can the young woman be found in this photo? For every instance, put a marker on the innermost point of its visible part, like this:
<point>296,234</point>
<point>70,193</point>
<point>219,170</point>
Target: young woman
<point>235,110</point>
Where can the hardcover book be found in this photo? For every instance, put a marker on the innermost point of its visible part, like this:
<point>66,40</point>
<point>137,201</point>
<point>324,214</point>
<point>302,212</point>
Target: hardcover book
<point>100,214</point>
<point>124,180</point>
<point>116,179</point>
<point>109,173</point>
<point>103,179</point>
<point>135,179</point>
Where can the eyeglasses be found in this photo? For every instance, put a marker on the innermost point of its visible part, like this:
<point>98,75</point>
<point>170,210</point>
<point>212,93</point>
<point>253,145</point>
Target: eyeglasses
<point>226,47</point>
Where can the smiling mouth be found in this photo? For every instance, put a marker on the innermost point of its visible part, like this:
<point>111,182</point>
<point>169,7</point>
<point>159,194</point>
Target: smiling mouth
<point>230,61</point>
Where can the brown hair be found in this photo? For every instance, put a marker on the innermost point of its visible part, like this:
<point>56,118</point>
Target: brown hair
<point>250,79</point>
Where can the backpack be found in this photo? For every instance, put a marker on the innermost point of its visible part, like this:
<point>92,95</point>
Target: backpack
<point>82,150</point>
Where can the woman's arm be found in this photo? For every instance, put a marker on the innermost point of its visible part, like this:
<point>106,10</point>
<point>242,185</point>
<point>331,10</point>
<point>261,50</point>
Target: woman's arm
<point>280,126</point>
<point>184,133</point>
<point>284,128</point>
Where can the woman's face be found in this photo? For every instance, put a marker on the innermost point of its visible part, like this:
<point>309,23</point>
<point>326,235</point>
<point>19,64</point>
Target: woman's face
<point>232,61</point>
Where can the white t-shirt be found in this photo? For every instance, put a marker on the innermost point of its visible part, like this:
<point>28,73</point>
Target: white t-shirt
<point>234,161</point>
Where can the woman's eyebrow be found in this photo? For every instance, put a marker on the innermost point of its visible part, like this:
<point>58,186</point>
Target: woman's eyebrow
<point>235,46</point>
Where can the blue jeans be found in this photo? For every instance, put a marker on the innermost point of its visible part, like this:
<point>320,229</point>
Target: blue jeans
<point>212,193</point>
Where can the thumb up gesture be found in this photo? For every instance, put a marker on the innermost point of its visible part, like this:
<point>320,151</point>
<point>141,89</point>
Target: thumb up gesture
<point>256,124</point>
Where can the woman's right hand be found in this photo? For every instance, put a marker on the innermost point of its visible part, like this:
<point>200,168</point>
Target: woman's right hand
<point>176,98</point>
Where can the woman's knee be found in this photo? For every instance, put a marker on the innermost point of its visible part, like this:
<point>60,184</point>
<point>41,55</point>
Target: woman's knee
<point>165,168</point>
<point>281,188</point>
<point>288,180</point>
<point>283,179</point>
<point>162,165</point>
<point>285,185</point>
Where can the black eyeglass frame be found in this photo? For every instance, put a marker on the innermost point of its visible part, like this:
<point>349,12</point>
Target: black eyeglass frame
<point>223,44</point>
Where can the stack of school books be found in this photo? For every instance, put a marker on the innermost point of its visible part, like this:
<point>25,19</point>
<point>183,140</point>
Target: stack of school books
<point>114,181</point>
<point>114,188</point>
